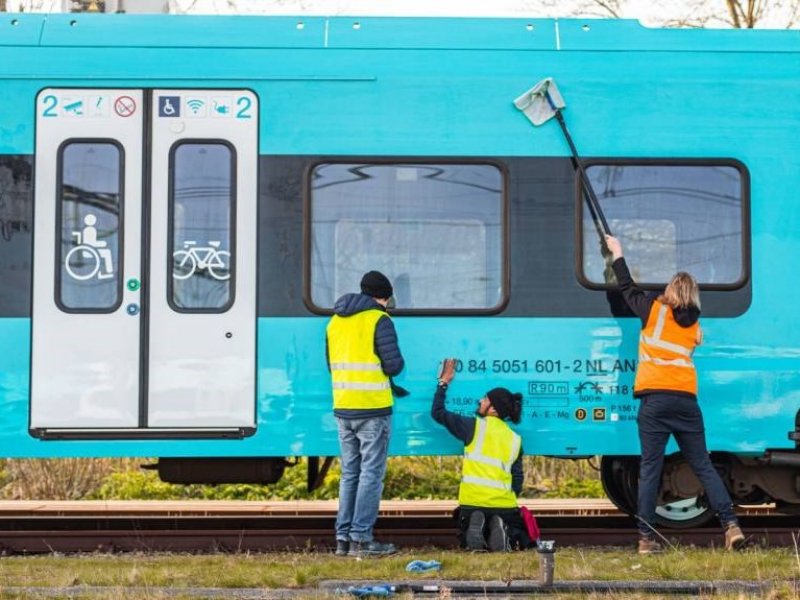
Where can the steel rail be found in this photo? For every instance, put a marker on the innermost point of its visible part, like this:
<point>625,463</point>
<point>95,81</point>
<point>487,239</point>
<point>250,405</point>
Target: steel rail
<point>44,534</point>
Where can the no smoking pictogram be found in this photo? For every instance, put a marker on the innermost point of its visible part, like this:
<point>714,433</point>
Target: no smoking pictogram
<point>124,106</point>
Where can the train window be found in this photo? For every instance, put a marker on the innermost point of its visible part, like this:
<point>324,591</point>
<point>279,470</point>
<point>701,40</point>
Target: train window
<point>89,217</point>
<point>436,230</point>
<point>670,217</point>
<point>201,216</point>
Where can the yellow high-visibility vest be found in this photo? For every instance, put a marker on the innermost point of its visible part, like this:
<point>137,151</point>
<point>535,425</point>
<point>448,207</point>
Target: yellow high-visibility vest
<point>665,353</point>
<point>358,379</point>
<point>486,472</point>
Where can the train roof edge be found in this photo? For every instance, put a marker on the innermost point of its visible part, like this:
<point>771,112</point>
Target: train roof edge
<point>428,33</point>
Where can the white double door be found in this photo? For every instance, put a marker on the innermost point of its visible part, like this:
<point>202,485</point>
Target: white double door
<point>144,276</point>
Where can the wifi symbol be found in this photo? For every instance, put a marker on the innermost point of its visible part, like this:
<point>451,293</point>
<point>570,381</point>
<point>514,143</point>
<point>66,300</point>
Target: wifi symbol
<point>195,105</point>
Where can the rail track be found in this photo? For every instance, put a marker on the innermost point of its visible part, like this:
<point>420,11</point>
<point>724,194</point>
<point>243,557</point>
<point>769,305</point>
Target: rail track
<point>201,526</point>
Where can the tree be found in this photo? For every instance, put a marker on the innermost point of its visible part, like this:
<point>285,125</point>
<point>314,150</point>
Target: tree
<point>748,15</point>
<point>738,14</point>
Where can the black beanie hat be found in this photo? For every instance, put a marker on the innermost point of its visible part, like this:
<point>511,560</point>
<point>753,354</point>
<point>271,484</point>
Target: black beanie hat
<point>501,400</point>
<point>377,285</point>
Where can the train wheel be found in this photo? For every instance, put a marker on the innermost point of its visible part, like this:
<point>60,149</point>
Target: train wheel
<point>619,475</point>
<point>685,513</point>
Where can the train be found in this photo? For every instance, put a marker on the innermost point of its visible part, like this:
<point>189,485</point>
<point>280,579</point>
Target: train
<point>183,198</point>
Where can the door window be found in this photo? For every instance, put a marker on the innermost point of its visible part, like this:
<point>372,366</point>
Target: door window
<point>201,213</point>
<point>90,216</point>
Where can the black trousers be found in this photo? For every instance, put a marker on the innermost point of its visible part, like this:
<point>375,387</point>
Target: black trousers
<point>515,526</point>
<point>662,415</point>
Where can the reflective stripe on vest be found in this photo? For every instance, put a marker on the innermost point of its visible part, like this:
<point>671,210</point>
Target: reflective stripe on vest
<point>355,366</point>
<point>656,341</point>
<point>358,381</point>
<point>675,362</point>
<point>488,460</point>
<point>665,353</point>
<point>486,472</point>
<point>486,482</point>
<point>353,385</point>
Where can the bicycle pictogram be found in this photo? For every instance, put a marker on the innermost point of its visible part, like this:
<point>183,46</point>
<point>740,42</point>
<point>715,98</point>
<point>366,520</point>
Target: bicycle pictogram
<point>193,258</point>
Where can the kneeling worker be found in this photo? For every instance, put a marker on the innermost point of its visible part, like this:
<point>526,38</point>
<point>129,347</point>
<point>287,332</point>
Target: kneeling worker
<point>491,477</point>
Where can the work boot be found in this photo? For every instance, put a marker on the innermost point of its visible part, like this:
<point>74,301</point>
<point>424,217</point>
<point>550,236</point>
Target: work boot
<point>370,549</point>
<point>342,547</point>
<point>498,538</point>
<point>734,538</point>
<point>648,545</point>
<point>474,537</point>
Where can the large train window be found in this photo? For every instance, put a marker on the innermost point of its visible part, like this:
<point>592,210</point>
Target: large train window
<point>89,216</point>
<point>670,216</point>
<point>436,230</point>
<point>201,217</point>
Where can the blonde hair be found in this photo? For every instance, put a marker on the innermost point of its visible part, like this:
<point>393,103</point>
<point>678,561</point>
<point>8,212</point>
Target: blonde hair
<point>682,291</point>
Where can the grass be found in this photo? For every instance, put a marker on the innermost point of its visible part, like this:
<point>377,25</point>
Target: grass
<point>306,570</point>
<point>406,478</point>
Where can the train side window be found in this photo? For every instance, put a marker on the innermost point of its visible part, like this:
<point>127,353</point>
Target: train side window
<point>436,230</point>
<point>670,216</point>
<point>89,216</point>
<point>201,218</point>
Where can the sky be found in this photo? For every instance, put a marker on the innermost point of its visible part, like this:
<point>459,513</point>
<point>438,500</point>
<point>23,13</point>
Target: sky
<point>653,13</point>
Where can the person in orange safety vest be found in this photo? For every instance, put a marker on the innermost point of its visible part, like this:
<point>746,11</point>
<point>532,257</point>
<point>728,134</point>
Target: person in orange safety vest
<point>666,386</point>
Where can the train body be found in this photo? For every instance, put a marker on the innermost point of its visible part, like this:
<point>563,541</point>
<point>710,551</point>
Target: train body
<point>183,199</point>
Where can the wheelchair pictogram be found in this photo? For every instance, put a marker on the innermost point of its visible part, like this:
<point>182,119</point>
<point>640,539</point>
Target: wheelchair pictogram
<point>193,258</point>
<point>85,260</point>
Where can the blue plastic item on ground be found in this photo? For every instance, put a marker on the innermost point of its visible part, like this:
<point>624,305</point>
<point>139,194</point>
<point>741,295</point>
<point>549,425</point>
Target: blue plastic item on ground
<point>371,591</point>
<point>419,566</point>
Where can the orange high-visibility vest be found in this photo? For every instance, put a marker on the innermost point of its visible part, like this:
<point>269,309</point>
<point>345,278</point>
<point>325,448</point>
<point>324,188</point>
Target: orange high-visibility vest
<point>665,354</point>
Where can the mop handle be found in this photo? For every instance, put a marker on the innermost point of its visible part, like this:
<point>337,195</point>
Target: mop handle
<point>594,204</point>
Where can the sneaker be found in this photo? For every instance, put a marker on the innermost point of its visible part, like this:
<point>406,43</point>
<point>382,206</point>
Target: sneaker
<point>372,548</point>
<point>648,545</point>
<point>498,538</point>
<point>342,547</point>
<point>474,537</point>
<point>734,538</point>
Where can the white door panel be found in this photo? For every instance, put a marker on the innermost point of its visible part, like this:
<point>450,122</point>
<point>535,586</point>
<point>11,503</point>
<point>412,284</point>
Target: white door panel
<point>188,332</point>
<point>202,363</point>
<point>82,375</point>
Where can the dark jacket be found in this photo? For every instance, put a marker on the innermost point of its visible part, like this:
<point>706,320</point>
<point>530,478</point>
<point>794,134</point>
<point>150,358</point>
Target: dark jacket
<point>464,429</point>
<point>386,348</point>
<point>641,303</point>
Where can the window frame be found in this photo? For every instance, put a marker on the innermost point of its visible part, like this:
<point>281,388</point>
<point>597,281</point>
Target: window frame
<point>580,207</point>
<point>57,292</point>
<point>505,270</point>
<point>171,224</point>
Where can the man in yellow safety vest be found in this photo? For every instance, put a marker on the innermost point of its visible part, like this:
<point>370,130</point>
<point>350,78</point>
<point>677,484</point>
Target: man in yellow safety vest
<point>363,355</point>
<point>491,476</point>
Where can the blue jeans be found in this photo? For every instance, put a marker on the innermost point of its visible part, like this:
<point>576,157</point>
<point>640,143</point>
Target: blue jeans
<point>662,415</point>
<point>364,444</point>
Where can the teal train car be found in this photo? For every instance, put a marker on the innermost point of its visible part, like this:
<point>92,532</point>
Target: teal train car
<point>182,199</point>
